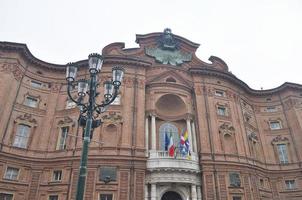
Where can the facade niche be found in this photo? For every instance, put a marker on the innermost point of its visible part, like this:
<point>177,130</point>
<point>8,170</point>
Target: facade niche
<point>227,137</point>
<point>112,125</point>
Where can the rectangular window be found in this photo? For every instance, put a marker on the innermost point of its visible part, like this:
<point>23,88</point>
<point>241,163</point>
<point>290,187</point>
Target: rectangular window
<point>57,175</point>
<point>282,151</point>
<point>5,196</point>
<point>221,111</point>
<point>275,125</point>
<point>22,136</point>
<point>31,102</point>
<point>261,182</point>
<point>106,196</point>
<point>117,100</point>
<point>236,198</point>
<point>35,84</point>
<point>61,145</point>
<point>271,109</point>
<point>219,93</point>
<point>53,197</point>
<point>290,184</point>
<point>11,173</point>
<point>107,174</point>
<point>70,104</point>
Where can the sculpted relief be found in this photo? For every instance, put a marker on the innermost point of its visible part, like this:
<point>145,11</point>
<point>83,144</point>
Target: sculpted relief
<point>167,51</point>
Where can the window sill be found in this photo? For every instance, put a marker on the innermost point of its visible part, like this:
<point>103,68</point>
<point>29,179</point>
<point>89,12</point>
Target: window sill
<point>11,180</point>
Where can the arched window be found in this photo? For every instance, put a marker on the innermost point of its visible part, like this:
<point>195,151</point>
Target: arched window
<point>165,131</point>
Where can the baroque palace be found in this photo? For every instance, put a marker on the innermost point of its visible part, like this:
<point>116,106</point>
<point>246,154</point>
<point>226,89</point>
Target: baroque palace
<point>180,129</point>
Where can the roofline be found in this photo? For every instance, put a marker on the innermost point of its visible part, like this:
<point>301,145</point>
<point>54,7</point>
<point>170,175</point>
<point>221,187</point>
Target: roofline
<point>157,34</point>
<point>237,81</point>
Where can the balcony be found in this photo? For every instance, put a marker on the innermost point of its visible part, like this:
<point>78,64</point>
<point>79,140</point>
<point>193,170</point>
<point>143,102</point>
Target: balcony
<point>160,160</point>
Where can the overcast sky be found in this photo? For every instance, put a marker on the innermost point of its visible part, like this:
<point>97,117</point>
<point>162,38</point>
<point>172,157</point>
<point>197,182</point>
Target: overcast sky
<point>260,40</point>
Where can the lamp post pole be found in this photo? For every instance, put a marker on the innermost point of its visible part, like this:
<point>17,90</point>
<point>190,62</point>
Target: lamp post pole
<point>90,111</point>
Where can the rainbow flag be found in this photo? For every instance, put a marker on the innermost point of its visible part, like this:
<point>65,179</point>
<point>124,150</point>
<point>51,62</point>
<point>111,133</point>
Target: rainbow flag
<point>185,145</point>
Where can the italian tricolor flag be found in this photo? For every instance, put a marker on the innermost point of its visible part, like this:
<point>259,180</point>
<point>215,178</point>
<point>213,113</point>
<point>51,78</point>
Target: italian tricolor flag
<point>171,147</point>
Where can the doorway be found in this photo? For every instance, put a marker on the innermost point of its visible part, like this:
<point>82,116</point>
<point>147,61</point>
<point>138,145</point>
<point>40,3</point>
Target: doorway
<point>171,196</point>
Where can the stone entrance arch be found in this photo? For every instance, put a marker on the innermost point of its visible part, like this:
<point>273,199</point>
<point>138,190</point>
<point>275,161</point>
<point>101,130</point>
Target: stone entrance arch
<point>171,195</point>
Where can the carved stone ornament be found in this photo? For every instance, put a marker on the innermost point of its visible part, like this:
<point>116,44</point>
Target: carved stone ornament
<point>235,179</point>
<point>112,117</point>
<point>167,51</point>
<point>279,139</point>
<point>226,129</point>
<point>65,121</point>
<point>253,137</point>
<point>27,117</point>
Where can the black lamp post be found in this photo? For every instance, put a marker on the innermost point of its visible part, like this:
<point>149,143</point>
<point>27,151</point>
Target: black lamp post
<point>90,110</point>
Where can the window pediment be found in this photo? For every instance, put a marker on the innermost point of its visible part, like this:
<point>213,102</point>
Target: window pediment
<point>26,119</point>
<point>280,139</point>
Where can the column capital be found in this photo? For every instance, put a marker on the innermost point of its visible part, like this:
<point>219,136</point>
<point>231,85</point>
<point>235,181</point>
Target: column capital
<point>151,113</point>
<point>189,117</point>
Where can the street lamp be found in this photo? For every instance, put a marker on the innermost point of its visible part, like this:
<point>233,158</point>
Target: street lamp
<point>90,110</point>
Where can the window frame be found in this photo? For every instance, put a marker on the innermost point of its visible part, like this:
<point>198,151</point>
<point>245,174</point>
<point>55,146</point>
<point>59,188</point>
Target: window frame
<point>53,195</point>
<point>117,101</point>
<point>106,193</point>
<point>59,145</point>
<point>17,135</point>
<point>7,193</point>
<point>173,130</point>
<point>108,167</point>
<point>222,108</point>
<point>293,185</point>
<point>275,122</point>
<point>10,178</point>
<point>271,109</point>
<point>70,104</point>
<point>283,157</point>
<point>28,103</point>
<point>36,84</point>
<point>54,175</point>
<point>219,93</point>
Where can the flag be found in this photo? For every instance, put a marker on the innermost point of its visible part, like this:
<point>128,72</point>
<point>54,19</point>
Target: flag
<point>167,141</point>
<point>185,145</point>
<point>171,147</point>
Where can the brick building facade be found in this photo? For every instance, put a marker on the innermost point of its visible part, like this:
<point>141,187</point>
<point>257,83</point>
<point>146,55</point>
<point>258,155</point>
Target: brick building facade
<point>240,143</point>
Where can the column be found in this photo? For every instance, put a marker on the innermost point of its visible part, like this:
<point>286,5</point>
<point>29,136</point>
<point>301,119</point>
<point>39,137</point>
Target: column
<point>147,135</point>
<point>153,191</point>
<point>146,192</point>
<point>199,197</point>
<point>193,192</point>
<point>194,137</point>
<point>153,127</point>
<point>189,133</point>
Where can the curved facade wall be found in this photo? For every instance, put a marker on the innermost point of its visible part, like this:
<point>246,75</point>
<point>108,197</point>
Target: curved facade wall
<point>240,143</point>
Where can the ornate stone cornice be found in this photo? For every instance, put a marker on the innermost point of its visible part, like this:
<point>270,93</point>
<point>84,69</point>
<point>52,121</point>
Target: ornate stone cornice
<point>230,77</point>
<point>29,57</point>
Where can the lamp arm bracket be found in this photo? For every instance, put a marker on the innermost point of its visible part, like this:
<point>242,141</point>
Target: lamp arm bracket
<point>72,99</point>
<point>106,103</point>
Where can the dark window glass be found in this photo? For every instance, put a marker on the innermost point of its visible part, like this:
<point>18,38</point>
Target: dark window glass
<point>4,196</point>
<point>106,197</point>
<point>108,174</point>
<point>53,197</point>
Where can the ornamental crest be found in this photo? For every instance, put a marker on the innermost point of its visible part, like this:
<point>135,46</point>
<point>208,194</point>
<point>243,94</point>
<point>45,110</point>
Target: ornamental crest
<point>167,51</point>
